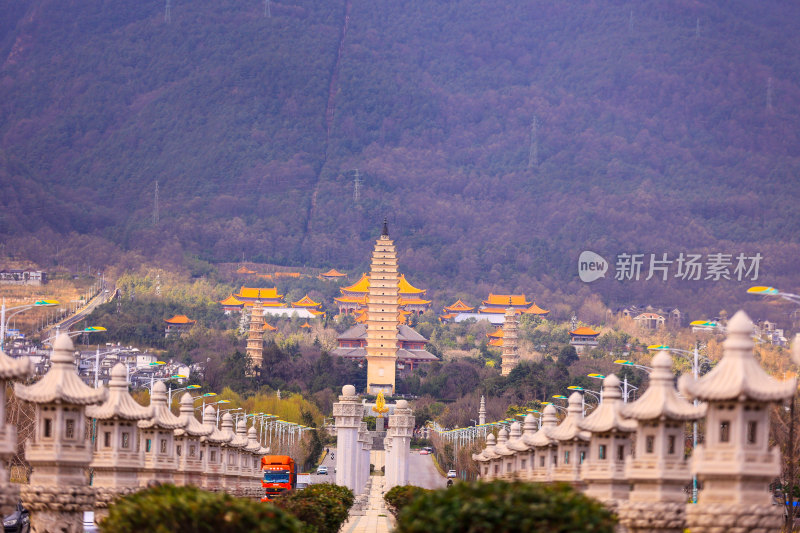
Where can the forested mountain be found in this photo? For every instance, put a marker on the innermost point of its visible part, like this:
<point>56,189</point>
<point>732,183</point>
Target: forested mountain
<point>500,138</point>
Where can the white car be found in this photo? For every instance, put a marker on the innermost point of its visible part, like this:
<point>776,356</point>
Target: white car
<point>451,474</point>
<point>322,470</point>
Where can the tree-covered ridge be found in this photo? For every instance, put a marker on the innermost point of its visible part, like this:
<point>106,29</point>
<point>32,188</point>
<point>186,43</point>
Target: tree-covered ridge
<point>660,127</point>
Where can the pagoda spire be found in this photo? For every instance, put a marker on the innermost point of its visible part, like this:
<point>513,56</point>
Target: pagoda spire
<point>385,231</point>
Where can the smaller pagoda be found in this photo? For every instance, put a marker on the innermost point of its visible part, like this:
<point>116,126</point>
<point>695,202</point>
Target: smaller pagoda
<point>509,358</point>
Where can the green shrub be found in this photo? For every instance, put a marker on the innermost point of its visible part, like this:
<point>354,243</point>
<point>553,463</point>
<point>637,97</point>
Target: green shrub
<point>502,506</point>
<point>400,496</point>
<point>168,508</point>
<point>322,508</point>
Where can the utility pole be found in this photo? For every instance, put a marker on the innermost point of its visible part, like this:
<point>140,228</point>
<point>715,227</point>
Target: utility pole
<point>155,200</point>
<point>533,153</point>
<point>769,94</point>
<point>168,11</point>
<point>356,187</point>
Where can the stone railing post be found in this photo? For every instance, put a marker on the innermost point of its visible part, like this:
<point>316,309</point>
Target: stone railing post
<point>735,464</point>
<point>659,471</point>
<point>60,450</point>
<point>232,450</point>
<point>157,440</point>
<point>116,461</point>
<point>10,369</point>
<point>545,447</point>
<point>348,412</point>
<point>256,452</point>
<point>388,462</point>
<point>188,445</point>
<point>402,422</point>
<point>211,452</point>
<point>573,443</point>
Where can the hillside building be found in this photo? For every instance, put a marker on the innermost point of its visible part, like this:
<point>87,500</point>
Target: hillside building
<point>178,324</point>
<point>22,277</point>
<point>583,338</point>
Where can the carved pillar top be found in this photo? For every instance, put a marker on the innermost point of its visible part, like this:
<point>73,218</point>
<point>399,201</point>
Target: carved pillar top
<point>120,404</point>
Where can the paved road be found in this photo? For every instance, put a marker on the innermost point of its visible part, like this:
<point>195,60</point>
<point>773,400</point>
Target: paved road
<point>331,464</point>
<point>422,472</point>
<point>101,298</point>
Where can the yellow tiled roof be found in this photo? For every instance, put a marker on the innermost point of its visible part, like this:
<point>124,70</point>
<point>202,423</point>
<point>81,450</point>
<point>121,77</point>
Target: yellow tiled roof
<point>265,294</point>
<point>406,288</point>
<point>413,301</point>
<point>333,273</point>
<point>305,301</point>
<point>584,331</point>
<point>502,300</point>
<point>361,285</point>
<point>231,300</point>
<point>180,319</point>
<point>536,310</point>
<point>458,307</point>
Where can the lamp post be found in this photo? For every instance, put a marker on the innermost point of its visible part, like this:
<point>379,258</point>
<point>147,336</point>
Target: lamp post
<point>625,387</point>
<point>203,397</point>
<point>219,411</point>
<point>170,391</point>
<point>598,395</point>
<point>795,299</point>
<point>18,309</point>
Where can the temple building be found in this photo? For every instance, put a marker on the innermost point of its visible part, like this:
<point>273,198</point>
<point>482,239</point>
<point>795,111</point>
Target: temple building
<point>493,309</point>
<point>354,297</point>
<point>496,338</point>
<point>583,338</point>
<point>266,297</point>
<point>307,303</point>
<point>177,325</point>
<point>450,312</point>
<point>332,275</point>
<point>231,305</point>
<point>411,350</point>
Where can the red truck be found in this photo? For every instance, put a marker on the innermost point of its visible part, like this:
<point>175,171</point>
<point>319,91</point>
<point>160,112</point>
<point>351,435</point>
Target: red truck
<point>279,476</point>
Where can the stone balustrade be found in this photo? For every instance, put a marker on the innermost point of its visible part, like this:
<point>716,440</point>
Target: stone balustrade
<point>645,487</point>
<point>129,448</point>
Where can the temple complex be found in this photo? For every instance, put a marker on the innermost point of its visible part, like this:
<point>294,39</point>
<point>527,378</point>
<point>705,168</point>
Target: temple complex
<point>450,312</point>
<point>411,350</point>
<point>307,303</point>
<point>354,297</point>
<point>493,309</point>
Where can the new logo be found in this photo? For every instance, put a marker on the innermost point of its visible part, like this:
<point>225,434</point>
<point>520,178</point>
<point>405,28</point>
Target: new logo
<point>591,266</point>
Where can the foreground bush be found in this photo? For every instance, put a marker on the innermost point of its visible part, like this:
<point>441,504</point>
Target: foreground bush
<point>322,508</point>
<point>502,506</point>
<point>400,496</point>
<point>167,508</point>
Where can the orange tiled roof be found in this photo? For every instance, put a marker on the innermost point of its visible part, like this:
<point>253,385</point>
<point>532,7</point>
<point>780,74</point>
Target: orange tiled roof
<point>413,301</point>
<point>333,273</point>
<point>244,270</point>
<point>536,310</point>
<point>361,317</point>
<point>180,319</point>
<point>362,285</point>
<point>501,300</point>
<point>496,342</point>
<point>305,301</point>
<point>266,294</point>
<point>306,325</point>
<point>447,316</point>
<point>493,310</point>
<point>267,327</point>
<point>496,334</point>
<point>287,274</point>
<point>315,312</point>
<point>231,301</point>
<point>459,307</point>
<point>406,288</point>
<point>584,331</point>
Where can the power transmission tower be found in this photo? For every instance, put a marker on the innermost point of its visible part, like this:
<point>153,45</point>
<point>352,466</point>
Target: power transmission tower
<point>533,153</point>
<point>697,29</point>
<point>267,10</point>
<point>357,187</point>
<point>168,12</point>
<point>769,94</point>
<point>630,21</point>
<point>158,284</point>
<point>155,206</point>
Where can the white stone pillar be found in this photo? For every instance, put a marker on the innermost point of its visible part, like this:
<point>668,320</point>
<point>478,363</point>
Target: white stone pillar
<point>211,450</point>
<point>60,450</point>
<point>188,445</point>
<point>116,461</point>
<point>388,464</point>
<point>157,436</point>
<point>402,422</point>
<point>10,369</point>
<point>348,413</point>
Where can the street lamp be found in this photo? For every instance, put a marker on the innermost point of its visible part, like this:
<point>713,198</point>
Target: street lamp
<point>18,309</point>
<point>225,410</point>
<point>170,391</point>
<point>596,394</point>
